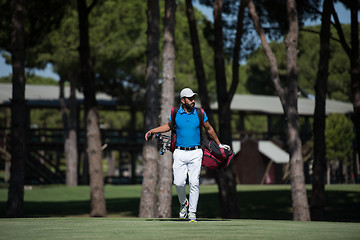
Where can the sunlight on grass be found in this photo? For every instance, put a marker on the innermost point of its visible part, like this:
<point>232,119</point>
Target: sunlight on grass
<point>158,229</point>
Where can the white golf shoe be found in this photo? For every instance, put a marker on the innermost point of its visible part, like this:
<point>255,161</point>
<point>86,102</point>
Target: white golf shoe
<point>184,210</point>
<point>192,217</point>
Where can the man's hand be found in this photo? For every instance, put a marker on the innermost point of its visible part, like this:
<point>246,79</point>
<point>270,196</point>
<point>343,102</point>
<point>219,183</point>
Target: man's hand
<point>160,129</point>
<point>227,147</point>
<point>148,135</point>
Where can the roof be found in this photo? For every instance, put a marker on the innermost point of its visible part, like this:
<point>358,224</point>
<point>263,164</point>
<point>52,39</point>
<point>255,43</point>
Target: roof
<point>273,152</point>
<point>272,105</point>
<point>43,93</point>
<point>48,96</point>
<point>243,103</point>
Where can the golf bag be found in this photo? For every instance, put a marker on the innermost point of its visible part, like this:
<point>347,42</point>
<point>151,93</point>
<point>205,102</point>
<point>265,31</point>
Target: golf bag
<point>164,143</point>
<point>215,157</point>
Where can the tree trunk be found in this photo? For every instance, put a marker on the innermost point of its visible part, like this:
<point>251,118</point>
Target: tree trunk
<point>148,201</point>
<point>319,165</point>
<point>167,102</point>
<point>6,150</point>
<point>111,163</point>
<point>94,152</point>
<point>236,52</point>
<point>71,159</point>
<point>298,190</point>
<point>97,195</point>
<point>72,145</point>
<point>70,135</point>
<point>226,179</point>
<point>289,103</point>
<point>65,123</point>
<point>199,66</point>
<point>355,70</point>
<point>15,201</point>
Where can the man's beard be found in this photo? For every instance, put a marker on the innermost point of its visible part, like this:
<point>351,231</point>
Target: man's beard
<point>189,106</point>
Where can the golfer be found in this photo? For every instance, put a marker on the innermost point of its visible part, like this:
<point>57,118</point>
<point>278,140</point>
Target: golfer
<point>188,153</point>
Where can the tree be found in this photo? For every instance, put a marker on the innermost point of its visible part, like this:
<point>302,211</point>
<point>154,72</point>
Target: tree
<point>226,178</point>
<point>353,55</point>
<point>94,152</point>
<point>288,98</point>
<point>319,165</point>
<point>339,137</point>
<point>167,102</point>
<point>148,201</point>
<point>298,190</point>
<point>15,202</point>
<point>61,51</point>
<point>39,20</point>
<point>118,48</point>
<point>199,67</point>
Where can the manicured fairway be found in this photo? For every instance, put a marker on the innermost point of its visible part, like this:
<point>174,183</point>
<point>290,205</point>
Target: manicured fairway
<point>158,229</point>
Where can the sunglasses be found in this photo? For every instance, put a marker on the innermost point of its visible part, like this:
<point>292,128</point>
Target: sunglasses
<point>191,98</point>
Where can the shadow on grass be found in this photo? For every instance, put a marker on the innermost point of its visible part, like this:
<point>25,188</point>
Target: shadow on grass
<point>252,205</point>
<point>265,204</point>
<point>185,220</point>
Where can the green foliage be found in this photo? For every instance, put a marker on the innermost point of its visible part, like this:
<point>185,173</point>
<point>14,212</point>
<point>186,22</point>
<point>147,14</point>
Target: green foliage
<point>6,79</point>
<point>242,80</point>
<point>117,33</point>
<point>41,18</point>
<point>5,116</point>
<point>46,118</point>
<point>119,119</point>
<point>258,70</point>
<point>64,42</point>
<point>259,79</point>
<point>39,80</point>
<point>32,79</point>
<point>339,136</point>
<point>339,75</point>
<point>339,64</point>
<point>255,123</point>
<point>114,119</point>
<point>118,40</point>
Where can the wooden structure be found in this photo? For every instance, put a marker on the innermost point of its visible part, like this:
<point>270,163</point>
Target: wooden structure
<point>45,146</point>
<point>260,162</point>
<point>129,141</point>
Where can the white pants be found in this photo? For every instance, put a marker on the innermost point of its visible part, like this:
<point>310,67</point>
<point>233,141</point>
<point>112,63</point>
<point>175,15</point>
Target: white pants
<point>187,163</point>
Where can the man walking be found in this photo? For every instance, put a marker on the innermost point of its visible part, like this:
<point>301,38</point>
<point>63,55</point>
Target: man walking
<point>188,153</point>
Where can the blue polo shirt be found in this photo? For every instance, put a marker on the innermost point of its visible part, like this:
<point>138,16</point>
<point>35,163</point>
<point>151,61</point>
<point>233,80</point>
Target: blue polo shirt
<point>188,128</point>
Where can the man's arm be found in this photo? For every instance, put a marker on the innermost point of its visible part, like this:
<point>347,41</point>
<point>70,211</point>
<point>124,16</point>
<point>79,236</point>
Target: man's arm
<point>161,129</point>
<point>211,132</point>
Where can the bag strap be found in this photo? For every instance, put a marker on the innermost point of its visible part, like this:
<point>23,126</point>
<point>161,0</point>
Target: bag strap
<point>174,111</point>
<point>200,112</point>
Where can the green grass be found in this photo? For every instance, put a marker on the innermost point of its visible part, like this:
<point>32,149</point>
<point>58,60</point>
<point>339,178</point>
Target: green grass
<point>158,229</point>
<point>268,202</point>
<point>272,202</point>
